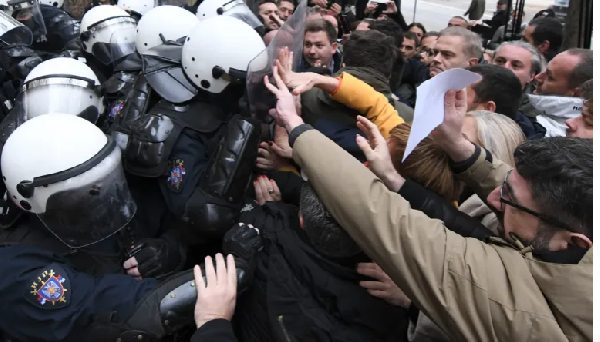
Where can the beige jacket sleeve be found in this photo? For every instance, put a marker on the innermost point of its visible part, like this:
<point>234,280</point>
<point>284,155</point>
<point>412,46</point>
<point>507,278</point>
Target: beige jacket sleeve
<point>484,176</point>
<point>453,280</point>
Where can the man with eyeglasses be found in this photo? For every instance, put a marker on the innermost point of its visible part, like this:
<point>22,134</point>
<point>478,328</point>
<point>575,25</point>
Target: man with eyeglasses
<point>427,45</point>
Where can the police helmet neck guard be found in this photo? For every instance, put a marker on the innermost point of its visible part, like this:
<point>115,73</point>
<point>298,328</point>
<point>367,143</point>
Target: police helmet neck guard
<point>86,35</point>
<point>26,188</point>
<point>61,79</point>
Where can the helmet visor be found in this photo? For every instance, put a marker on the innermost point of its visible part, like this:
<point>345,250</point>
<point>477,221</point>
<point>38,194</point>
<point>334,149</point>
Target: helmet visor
<point>62,94</point>
<point>13,33</point>
<point>28,13</point>
<point>93,211</point>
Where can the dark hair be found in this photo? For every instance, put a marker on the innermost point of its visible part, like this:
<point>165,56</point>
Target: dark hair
<point>459,17</point>
<point>323,231</point>
<point>587,90</point>
<point>389,28</point>
<point>318,25</point>
<point>290,1</point>
<point>371,49</point>
<point>419,25</point>
<point>546,13</point>
<point>584,70</point>
<point>560,171</point>
<point>267,2</point>
<point>411,36</point>
<point>499,85</point>
<point>547,29</point>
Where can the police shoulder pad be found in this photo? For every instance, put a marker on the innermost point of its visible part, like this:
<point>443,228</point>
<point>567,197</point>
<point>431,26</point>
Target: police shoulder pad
<point>49,289</point>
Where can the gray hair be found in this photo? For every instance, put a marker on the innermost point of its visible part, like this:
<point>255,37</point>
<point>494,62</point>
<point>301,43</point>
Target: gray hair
<point>498,134</point>
<point>538,62</point>
<point>473,46</point>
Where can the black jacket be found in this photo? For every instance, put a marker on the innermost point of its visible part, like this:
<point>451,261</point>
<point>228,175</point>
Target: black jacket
<point>310,297</point>
<point>218,330</point>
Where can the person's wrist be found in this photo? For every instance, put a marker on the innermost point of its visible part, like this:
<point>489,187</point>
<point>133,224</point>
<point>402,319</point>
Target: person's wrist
<point>459,150</point>
<point>293,122</point>
<point>393,181</point>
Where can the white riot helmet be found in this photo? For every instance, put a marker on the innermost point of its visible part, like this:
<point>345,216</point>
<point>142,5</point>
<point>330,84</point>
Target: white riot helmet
<point>217,52</point>
<point>66,171</point>
<point>55,3</point>
<point>108,33</point>
<point>62,85</point>
<point>29,14</point>
<point>163,22</point>
<point>233,8</point>
<point>138,6</point>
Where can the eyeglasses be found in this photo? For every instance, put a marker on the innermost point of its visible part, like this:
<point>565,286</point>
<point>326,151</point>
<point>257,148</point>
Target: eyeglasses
<point>510,202</point>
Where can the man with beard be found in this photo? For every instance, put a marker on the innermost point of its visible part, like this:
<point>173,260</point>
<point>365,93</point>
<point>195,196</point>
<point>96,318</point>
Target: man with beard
<point>456,47</point>
<point>267,12</point>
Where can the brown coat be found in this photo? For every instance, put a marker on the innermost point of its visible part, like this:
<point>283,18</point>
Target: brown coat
<point>472,290</point>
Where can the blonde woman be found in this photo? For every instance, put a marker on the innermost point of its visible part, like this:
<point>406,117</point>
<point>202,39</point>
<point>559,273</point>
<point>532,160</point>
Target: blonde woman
<point>500,135</point>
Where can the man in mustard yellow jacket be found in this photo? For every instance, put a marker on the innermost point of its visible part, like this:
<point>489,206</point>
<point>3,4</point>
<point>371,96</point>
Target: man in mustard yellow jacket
<point>474,291</point>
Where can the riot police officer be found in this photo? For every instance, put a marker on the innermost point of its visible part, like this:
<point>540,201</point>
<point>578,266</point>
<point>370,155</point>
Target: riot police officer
<point>175,23</point>
<point>54,30</point>
<point>67,175</point>
<point>202,154</point>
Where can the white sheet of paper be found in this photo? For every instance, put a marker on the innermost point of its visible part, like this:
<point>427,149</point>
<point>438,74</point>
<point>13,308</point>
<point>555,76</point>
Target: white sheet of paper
<point>429,109</point>
<point>380,1</point>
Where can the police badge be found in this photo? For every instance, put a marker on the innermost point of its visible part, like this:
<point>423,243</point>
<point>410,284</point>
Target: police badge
<point>50,286</point>
<point>175,178</point>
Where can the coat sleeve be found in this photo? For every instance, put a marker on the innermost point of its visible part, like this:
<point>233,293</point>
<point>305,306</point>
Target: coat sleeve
<point>218,330</point>
<point>484,174</point>
<point>360,96</point>
<point>447,276</point>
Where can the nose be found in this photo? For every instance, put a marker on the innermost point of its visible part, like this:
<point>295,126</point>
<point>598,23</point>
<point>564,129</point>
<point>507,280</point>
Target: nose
<point>507,66</point>
<point>540,77</point>
<point>494,199</point>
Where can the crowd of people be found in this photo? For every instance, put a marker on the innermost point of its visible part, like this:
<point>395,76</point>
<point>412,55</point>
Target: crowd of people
<point>236,171</point>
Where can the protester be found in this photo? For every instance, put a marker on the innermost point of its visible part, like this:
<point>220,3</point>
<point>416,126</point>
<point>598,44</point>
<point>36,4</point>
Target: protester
<point>558,93</point>
<point>499,91</point>
<point>320,46</point>
<point>388,230</point>
<point>546,34</point>
<point>409,44</point>
<point>419,30</point>
<point>456,47</point>
<point>458,21</point>
<point>526,62</point>
<point>427,46</point>
<point>285,9</point>
<point>267,11</point>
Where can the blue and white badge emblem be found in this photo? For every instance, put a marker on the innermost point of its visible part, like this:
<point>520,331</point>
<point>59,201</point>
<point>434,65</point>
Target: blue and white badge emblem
<point>116,109</point>
<point>176,175</point>
<point>50,288</point>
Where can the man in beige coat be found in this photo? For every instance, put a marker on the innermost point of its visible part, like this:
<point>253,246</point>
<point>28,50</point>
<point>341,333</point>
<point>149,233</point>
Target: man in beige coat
<point>474,291</point>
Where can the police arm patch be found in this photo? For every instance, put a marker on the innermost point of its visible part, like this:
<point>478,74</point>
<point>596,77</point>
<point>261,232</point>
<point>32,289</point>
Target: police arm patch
<point>49,289</point>
<point>176,175</point>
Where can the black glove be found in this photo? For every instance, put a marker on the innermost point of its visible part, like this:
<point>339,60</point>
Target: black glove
<point>158,258</point>
<point>243,241</point>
